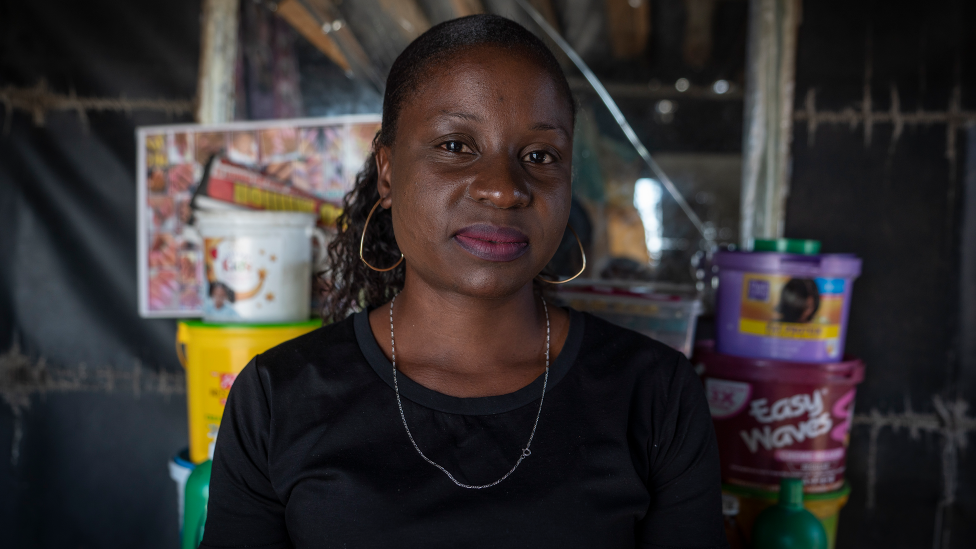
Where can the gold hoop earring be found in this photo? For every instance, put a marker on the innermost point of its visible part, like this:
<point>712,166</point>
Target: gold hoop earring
<point>580,242</point>
<point>363,239</point>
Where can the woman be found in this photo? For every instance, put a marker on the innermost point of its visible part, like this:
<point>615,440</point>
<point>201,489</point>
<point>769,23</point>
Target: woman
<point>460,408</point>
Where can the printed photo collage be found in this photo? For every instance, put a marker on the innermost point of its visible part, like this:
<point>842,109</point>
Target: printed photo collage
<point>318,157</point>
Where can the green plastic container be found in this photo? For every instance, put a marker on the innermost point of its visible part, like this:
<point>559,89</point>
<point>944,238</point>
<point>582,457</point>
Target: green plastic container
<point>787,525</point>
<point>195,505</point>
<point>825,506</point>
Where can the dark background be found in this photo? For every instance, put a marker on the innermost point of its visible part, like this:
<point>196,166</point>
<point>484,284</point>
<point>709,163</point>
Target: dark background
<point>92,396</point>
<point>900,204</point>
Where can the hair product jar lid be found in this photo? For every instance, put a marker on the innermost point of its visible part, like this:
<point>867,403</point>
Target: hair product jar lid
<point>786,245</point>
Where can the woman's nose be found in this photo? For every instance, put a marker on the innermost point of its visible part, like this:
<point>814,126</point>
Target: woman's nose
<point>501,183</point>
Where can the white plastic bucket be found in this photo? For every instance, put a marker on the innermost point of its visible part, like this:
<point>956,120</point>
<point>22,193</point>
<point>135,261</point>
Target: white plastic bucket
<point>258,265</point>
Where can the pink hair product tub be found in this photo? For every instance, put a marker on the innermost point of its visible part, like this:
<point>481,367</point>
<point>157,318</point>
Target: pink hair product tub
<point>784,305</point>
<point>776,419</point>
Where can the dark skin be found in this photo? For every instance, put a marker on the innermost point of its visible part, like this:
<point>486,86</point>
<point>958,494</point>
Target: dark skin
<point>486,139</point>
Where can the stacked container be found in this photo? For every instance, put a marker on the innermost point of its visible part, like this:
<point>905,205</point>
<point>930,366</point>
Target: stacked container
<point>258,268</point>
<point>212,355</point>
<point>780,389</point>
<point>258,291</point>
<point>665,312</point>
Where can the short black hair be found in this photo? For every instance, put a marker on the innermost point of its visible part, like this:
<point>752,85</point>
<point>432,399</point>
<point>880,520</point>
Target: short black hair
<point>450,38</point>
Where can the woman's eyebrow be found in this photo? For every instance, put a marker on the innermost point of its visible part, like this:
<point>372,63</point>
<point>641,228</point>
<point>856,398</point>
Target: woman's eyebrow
<point>544,126</point>
<point>539,126</point>
<point>462,116</point>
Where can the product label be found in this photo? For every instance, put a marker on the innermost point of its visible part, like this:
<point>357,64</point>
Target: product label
<point>241,275</point>
<point>797,308</point>
<point>770,430</point>
<point>726,398</point>
<point>816,423</point>
<point>218,387</point>
<point>244,187</point>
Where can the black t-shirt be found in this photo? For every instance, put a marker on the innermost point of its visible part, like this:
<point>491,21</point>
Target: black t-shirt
<point>312,451</point>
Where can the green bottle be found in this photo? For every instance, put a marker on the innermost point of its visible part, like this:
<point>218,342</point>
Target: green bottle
<point>787,525</point>
<point>195,504</point>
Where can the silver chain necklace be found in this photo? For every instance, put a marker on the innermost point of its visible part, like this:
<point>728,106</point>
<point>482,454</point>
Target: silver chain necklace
<point>526,452</point>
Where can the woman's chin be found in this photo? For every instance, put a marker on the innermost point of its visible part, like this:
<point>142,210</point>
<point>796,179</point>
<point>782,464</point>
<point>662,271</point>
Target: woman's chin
<point>490,283</point>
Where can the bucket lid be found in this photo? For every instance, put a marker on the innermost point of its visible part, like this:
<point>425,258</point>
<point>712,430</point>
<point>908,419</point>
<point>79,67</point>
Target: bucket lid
<point>786,245</point>
<point>251,218</point>
<point>202,324</point>
<point>840,265</point>
<point>850,371</point>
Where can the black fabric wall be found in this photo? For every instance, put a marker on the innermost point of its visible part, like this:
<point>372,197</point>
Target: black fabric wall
<point>98,420</point>
<point>897,202</point>
<point>90,468</point>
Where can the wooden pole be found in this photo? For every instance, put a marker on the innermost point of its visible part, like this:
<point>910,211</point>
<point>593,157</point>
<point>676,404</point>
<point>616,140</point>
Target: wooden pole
<point>218,59</point>
<point>768,131</point>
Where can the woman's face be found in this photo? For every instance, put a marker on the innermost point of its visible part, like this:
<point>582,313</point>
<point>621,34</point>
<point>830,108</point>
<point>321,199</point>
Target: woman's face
<point>479,176</point>
<point>219,296</point>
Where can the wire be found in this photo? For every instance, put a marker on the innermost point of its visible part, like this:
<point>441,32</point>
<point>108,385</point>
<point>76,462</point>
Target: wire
<point>617,115</point>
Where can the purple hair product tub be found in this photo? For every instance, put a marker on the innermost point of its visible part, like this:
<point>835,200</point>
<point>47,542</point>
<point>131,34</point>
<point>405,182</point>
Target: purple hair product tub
<point>784,306</point>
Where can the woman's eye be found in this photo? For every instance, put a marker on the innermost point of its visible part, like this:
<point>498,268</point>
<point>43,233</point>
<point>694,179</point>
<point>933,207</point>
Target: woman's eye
<point>538,157</point>
<point>453,146</point>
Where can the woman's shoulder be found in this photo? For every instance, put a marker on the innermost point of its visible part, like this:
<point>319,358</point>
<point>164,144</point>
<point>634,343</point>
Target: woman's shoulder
<point>321,350</point>
<point>613,350</point>
<point>619,342</point>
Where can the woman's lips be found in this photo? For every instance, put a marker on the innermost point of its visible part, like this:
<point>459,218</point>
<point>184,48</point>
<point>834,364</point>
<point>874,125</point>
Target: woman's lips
<point>493,243</point>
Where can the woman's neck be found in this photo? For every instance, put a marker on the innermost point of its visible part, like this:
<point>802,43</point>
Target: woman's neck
<point>469,346</point>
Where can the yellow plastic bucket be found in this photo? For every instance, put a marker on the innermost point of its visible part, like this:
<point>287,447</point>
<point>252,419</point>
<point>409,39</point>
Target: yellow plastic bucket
<point>825,506</point>
<point>213,355</point>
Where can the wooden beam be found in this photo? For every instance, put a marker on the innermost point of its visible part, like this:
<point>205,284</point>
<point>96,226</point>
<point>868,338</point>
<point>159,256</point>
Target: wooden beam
<point>327,13</point>
<point>218,59</point>
<point>308,26</point>
<point>439,11</point>
<point>629,26</point>
<point>408,17</point>
<point>464,8</point>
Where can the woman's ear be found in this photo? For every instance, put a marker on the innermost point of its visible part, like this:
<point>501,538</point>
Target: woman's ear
<point>384,168</point>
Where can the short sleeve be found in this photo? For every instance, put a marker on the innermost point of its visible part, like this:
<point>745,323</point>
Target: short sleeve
<point>685,480</point>
<point>244,510</point>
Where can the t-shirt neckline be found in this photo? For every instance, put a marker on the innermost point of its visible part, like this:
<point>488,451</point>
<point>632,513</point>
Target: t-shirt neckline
<point>499,404</point>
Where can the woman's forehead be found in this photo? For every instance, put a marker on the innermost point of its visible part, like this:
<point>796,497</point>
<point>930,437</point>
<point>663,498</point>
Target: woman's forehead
<point>477,83</point>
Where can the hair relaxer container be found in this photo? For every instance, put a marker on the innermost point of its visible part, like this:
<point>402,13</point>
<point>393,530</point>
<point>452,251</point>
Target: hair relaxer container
<point>783,306</point>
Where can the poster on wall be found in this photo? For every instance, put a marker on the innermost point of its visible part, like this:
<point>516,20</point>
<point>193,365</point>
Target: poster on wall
<point>303,164</point>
